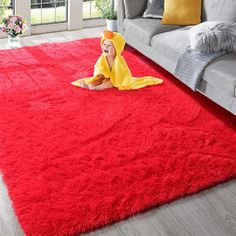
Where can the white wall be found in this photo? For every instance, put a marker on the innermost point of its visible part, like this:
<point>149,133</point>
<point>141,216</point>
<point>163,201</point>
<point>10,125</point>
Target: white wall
<point>22,8</point>
<point>75,14</point>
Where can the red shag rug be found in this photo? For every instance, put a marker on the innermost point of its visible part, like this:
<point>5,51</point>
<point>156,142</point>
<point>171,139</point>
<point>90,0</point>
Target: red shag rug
<point>75,160</point>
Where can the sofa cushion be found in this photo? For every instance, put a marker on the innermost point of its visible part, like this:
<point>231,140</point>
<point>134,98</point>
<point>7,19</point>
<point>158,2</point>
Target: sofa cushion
<point>220,73</point>
<point>222,10</point>
<point>172,43</point>
<point>144,28</point>
<point>134,8</point>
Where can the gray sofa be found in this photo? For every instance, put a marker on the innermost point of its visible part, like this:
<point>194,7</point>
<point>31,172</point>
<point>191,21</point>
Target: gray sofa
<point>164,43</point>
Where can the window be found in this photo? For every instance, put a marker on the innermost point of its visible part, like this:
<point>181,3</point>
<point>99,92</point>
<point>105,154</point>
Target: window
<point>89,10</point>
<point>48,11</point>
<point>6,8</point>
<point>45,16</point>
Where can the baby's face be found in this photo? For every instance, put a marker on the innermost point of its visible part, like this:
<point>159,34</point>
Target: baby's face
<point>108,48</point>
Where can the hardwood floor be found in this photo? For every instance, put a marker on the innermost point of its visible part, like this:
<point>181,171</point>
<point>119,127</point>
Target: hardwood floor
<point>56,37</point>
<point>208,213</point>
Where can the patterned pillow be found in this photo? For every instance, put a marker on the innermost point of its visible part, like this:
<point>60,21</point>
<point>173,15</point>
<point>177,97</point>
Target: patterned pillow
<point>155,9</point>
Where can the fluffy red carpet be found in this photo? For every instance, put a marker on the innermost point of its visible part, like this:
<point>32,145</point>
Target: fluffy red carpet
<point>74,160</point>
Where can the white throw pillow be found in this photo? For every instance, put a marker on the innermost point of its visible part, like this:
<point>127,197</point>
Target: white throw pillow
<point>213,36</point>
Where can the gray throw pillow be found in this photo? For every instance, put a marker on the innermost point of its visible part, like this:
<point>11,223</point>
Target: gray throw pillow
<point>213,36</point>
<point>155,9</point>
<point>134,8</point>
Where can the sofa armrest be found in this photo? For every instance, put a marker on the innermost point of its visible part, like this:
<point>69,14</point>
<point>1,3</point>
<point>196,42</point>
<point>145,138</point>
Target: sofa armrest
<point>120,15</point>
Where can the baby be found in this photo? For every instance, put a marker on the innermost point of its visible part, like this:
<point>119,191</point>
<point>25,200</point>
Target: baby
<point>101,82</point>
<point>111,69</point>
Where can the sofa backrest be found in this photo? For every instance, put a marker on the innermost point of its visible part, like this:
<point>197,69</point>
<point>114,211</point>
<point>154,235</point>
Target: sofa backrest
<point>134,8</point>
<point>222,10</point>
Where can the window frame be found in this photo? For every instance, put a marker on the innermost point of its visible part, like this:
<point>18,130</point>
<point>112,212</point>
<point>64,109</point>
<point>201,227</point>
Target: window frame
<point>74,17</point>
<point>12,6</point>
<point>90,18</point>
<point>54,2</point>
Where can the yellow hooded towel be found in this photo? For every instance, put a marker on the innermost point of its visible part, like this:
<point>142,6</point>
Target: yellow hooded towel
<point>120,75</point>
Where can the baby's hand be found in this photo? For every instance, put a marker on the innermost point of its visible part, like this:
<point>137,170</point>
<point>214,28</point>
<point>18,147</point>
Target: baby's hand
<point>101,77</point>
<point>98,80</point>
